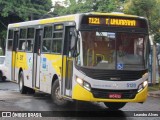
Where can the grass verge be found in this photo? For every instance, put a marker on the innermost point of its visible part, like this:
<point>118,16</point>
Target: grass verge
<point>154,87</point>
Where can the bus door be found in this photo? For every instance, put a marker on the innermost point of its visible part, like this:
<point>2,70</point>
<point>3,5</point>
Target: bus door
<point>36,58</point>
<point>14,56</point>
<point>67,63</point>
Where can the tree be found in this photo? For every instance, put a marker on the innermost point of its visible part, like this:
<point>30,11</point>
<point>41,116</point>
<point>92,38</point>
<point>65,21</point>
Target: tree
<point>109,5</point>
<point>12,11</point>
<point>147,8</point>
<point>150,10</point>
<point>25,9</point>
<point>82,6</point>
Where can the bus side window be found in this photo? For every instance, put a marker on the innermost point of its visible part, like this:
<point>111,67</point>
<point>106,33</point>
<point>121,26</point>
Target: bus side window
<point>56,46</point>
<point>46,45</point>
<point>22,45</point>
<point>30,37</point>
<point>10,45</point>
<point>10,40</point>
<point>29,46</point>
<point>57,42</point>
<point>47,37</point>
<point>22,39</point>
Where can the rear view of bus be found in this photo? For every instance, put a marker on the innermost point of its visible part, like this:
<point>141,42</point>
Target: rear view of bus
<point>112,65</point>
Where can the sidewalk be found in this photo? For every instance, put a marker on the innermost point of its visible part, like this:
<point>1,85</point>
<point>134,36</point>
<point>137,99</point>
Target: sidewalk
<point>154,93</point>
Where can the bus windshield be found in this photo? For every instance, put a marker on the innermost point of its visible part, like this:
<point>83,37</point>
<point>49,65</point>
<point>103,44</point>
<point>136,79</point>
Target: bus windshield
<point>114,51</point>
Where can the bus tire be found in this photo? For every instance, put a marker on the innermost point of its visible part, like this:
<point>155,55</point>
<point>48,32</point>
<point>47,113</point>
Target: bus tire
<point>1,76</point>
<point>55,95</point>
<point>30,91</point>
<point>114,105</point>
<point>22,88</point>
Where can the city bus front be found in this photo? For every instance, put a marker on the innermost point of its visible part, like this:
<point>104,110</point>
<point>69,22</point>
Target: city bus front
<point>112,65</point>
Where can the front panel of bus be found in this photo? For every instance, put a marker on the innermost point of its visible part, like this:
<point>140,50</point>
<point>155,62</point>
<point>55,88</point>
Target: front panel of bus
<point>112,64</point>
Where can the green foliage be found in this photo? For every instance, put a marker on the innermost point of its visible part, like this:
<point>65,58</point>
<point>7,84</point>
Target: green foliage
<point>82,6</point>
<point>157,37</point>
<point>149,9</point>
<point>20,10</point>
<point>109,6</point>
<point>154,87</point>
<point>3,34</point>
<point>139,7</point>
<point>25,9</point>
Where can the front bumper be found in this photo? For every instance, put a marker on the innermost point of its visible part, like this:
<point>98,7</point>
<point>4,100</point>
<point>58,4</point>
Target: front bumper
<point>79,93</point>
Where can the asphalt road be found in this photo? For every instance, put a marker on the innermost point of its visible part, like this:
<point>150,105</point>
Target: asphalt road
<point>12,100</point>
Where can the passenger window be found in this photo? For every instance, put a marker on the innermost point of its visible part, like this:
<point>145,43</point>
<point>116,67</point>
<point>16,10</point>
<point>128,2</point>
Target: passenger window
<point>23,33</point>
<point>46,45</point>
<point>30,33</point>
<point>10,45</point>
<point>29,45</point>
<point>30,38</point>
<point>22,45</point>
<point>10,35</point>
<point>57,42</point>
<point>56,46</point>
<point>58,35</point>
<point>48,32</point>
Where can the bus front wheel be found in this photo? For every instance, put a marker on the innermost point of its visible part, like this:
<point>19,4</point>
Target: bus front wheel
<point>22,88</point>
<point>55,95</point>
<point>114,105</point>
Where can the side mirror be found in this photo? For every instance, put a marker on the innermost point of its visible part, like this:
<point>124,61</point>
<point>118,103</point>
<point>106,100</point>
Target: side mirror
<point>73,45</point>
<point>74,39</point>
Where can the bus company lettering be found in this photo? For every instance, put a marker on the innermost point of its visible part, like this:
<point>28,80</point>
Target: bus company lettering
<point>102,86</point>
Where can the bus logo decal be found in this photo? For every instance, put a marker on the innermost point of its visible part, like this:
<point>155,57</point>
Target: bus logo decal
<point>44,63</point>
<point>30,62</point>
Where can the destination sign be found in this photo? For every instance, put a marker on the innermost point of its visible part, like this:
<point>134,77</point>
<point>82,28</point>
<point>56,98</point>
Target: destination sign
<point>112,21</point>
<point>121,22</point>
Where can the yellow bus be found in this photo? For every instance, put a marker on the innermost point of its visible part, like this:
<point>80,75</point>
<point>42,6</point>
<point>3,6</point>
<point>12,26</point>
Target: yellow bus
<point>80,57</point>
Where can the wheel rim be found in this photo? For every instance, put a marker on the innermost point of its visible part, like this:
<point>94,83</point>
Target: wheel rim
<point>57,93</point>
<point>58,97</point>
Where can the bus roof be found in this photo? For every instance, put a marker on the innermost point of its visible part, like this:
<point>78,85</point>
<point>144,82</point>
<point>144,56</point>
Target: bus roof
<point>43,21</point>
<point>115,14</point>
<point>66,18</point>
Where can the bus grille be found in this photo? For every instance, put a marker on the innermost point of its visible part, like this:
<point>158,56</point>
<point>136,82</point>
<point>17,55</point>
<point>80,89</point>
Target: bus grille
<point>126,94</point>
<point>112,75</point>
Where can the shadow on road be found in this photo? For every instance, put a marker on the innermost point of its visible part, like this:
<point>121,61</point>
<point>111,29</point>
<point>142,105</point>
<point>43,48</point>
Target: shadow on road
<point>42,102</point>
<point>1,81</point>
<point>78,109</point>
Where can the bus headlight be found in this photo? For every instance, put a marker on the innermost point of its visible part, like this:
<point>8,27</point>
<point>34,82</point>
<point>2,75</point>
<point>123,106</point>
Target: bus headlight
<point>79,81</point>
<point>83,83</point>
<point>145,83</point>
<point>142,86</point>
<point>87,86</point>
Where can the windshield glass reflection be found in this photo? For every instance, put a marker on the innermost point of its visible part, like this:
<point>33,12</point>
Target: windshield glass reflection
<point>109,50</point>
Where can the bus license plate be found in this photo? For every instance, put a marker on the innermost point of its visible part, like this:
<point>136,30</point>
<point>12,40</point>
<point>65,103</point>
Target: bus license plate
<point>115,95</point>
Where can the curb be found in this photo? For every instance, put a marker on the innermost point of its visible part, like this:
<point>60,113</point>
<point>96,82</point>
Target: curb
<point>154,95</point>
